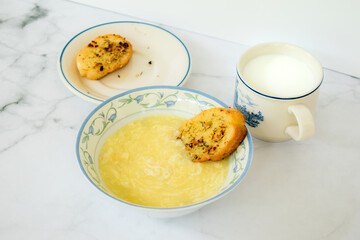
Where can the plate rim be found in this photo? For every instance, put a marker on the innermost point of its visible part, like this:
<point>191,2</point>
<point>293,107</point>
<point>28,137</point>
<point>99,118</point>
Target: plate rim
<point>91,98</point>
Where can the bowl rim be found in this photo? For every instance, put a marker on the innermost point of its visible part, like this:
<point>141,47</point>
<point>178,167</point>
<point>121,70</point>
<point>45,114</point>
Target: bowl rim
<point>91,98</point>
<point>198,204</point>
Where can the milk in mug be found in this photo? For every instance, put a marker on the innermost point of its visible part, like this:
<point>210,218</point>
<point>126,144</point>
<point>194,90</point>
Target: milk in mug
<point>277,87</point>
<point>279,75</point>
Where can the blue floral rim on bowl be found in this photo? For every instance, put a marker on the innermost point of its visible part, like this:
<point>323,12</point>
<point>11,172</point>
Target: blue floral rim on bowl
<point>149,100</point>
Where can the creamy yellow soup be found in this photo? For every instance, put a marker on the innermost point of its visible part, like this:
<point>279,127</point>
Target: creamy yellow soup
<point>143,163</point>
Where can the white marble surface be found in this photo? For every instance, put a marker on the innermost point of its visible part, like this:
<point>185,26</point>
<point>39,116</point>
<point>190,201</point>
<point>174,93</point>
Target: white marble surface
<point>307,190</point>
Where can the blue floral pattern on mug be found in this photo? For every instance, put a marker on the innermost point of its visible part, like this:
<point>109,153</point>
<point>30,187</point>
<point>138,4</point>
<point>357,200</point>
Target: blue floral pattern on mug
<point>252,119</point>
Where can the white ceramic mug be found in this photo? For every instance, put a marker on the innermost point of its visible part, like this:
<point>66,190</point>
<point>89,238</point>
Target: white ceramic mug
<point>277,88</point>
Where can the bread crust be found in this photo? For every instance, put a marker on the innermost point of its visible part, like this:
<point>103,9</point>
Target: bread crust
<point>214,134</point>
<point>103,55</point>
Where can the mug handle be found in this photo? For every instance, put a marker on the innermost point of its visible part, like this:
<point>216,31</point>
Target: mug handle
<point>306,126</point>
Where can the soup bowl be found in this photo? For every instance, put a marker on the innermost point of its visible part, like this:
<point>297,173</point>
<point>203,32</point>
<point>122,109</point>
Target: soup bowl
<point>121,109</point>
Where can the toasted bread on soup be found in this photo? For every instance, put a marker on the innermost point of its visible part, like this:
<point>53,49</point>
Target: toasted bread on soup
<point>214,134</point>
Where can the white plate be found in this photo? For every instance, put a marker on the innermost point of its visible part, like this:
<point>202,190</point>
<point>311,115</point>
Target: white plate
<point>159,58</point>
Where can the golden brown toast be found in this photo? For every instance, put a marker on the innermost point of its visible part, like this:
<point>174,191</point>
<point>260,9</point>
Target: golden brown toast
<point>103,55</point>
<point>214,134</point>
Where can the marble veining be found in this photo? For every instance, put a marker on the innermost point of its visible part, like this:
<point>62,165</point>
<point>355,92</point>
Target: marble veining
<point>11,103</point>
<point>35,14</point>
<point>307,190</point>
